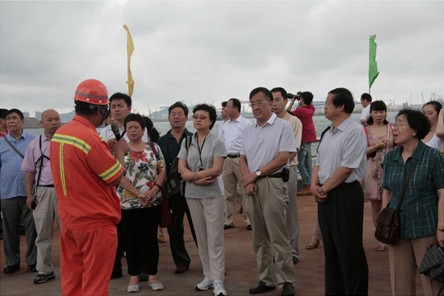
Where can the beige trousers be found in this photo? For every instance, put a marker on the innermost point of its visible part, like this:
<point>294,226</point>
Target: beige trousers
<point>208,216</point>
<point>405,258</point>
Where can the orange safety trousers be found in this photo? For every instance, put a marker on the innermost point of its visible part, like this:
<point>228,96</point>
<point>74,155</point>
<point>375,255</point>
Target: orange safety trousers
<point>87,259</point>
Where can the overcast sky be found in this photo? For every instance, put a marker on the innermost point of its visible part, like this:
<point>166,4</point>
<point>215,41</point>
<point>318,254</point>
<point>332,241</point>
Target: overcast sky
<point>211,51</point>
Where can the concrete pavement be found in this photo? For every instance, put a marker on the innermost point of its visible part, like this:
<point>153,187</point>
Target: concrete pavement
<point>240,265</point>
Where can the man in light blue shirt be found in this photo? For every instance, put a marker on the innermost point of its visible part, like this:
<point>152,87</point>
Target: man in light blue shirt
<point>13,194</point>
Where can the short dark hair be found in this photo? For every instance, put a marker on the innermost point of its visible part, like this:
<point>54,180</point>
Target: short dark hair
<point>152,131</point>
<point>377,106</point>
<point>134,117</point>
<point>180,105</point>
<point>207,108</point>
<point>83,108</point>
<point>307,96</point>
<point>417,121</point>
<point>343,97</point>
<point>3,113</point>
<point>437,105</point>
<point>15,110</point>
<point>280,90</point>
<point>268,95</point>
<point>236,104</point>
<point>121,96</point>
<point>366,96</point>
<point>224,104</point>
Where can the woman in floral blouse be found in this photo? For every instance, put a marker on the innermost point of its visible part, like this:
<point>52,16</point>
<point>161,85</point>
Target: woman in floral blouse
<point>140,197</point>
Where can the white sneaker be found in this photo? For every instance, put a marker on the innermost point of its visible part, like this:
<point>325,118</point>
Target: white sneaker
<point>205,284</point>
<point>219,289</point>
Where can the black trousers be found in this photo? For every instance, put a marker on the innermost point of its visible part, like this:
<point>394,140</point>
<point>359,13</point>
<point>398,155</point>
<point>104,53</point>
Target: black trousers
<point>139,230</point>
<point>341,223</point>
<point>179,207</point>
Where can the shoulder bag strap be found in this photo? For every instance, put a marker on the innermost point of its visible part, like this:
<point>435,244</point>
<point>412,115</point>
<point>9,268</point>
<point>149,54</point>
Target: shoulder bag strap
<point>404,188</point>
<point>13,147</point>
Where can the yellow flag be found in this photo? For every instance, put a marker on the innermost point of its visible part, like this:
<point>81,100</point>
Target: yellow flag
<point>130,49</point>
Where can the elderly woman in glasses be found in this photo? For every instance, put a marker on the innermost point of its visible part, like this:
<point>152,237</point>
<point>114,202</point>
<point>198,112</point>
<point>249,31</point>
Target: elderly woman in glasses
<point>422,210</point>
<point>200,165</point>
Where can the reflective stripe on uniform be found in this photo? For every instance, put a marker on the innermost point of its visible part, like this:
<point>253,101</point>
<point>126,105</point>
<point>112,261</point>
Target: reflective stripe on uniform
<point>109,173</point>
<point>70,140</point>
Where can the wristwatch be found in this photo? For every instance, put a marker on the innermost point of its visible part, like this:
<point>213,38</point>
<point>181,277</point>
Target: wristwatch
<point>258,173</point>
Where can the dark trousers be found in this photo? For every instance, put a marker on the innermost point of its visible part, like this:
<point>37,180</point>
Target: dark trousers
<point>341,223</point>
<point>139,230</point>
<point>14,210</point>
<point>117,268</point>
<point>179,207</point>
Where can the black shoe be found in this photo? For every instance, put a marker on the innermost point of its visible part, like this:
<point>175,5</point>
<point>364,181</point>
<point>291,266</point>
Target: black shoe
<point>181,269</point>
<point>249,227</point>
<point>44,277</point>
<point>261,288</point>
<point>32,268</point>
<point>226,226</point>
<point>11,269</point>
<point>287,289</point>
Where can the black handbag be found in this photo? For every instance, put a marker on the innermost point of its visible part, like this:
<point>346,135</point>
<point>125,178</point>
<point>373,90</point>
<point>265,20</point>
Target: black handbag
<point>388,224</point>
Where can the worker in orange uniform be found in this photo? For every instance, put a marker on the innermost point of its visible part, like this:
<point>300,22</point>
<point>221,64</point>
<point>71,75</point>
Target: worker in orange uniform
<point>85,175</point>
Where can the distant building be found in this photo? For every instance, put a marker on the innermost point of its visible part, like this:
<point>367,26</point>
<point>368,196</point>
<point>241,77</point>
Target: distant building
<point>26,114</point>
<point>38,114</point>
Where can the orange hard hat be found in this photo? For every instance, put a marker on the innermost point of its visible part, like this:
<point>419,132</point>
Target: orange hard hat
<point>92,91</point>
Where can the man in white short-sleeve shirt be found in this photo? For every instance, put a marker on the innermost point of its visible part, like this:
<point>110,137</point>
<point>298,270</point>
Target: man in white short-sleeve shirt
<point>268,145</point>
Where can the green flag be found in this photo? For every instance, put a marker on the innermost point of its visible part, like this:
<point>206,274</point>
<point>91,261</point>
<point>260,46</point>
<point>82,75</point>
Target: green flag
<point>372,66</point>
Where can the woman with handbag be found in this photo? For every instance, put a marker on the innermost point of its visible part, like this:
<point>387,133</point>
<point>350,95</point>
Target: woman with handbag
<point>379,142</point>
<point>421,200</point>
<point>200,166</point>
<point>140,195</point>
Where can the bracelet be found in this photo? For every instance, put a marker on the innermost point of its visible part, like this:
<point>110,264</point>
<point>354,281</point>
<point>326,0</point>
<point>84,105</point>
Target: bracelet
<point>158,186</point>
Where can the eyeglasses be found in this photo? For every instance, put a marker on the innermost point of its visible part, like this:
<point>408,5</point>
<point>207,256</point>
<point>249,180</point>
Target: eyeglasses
<point>258,103</point>
<point>398,125</point>
<point>199,117</point>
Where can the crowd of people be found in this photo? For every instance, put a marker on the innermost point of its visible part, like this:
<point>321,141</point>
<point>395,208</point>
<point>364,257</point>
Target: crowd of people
<point>107,191</point>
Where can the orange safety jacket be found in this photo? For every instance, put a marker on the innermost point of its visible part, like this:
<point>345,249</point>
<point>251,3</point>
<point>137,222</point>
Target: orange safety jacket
<point>83,169</point>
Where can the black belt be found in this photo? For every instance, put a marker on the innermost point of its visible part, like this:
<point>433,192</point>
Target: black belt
<point>233,155</point>
<point>277,175</point>
<point>50,185</point>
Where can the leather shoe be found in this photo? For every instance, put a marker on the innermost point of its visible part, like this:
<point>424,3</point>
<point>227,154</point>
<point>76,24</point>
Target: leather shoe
<point>226,226</point>
<point>11,269</point>
<point>287,289</point>
<point>261,288</point>
<point>181,269</point>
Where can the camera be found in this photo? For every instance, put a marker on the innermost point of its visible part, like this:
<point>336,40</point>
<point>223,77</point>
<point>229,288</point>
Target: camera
<point>297,96</point>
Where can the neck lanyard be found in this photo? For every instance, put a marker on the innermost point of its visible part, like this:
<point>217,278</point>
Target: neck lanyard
<point>200,148</point>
